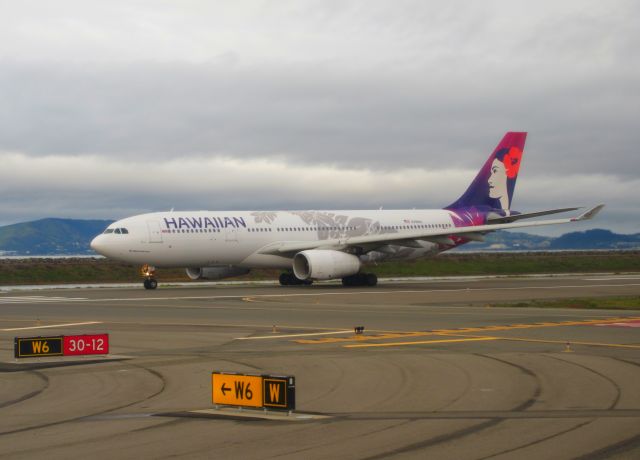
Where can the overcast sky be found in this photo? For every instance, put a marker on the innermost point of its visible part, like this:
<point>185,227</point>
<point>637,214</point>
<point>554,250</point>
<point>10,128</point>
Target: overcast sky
<point>113,108</point>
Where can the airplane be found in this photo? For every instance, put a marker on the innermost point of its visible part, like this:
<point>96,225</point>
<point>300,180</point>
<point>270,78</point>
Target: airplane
<point>324,245</point>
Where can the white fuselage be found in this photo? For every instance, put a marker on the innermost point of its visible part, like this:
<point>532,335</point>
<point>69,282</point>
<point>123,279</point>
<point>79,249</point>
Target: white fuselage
<point>207,238</point>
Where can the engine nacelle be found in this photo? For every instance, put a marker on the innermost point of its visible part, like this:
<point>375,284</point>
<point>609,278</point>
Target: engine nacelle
<point>215,273</point>
<point>324,264</point>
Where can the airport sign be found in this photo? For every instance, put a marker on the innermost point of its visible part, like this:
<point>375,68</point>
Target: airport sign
<point>279,392</point>
<point>87,344</point>
<point>251,390</point>
<point>237,389</point>
<point>61,345</point>
<point>32,347</point>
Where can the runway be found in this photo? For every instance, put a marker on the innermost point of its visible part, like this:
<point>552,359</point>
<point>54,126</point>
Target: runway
<point>438,373</point>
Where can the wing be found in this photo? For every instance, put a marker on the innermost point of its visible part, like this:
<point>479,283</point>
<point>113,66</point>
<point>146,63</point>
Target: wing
<point>370,242</point>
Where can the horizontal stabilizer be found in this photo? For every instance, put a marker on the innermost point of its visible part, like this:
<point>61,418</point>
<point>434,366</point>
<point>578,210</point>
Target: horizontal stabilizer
<point>528,215</point>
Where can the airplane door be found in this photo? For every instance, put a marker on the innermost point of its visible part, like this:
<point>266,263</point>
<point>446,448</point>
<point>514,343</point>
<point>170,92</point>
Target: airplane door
<point>155,233</point>
<point>231,235</point>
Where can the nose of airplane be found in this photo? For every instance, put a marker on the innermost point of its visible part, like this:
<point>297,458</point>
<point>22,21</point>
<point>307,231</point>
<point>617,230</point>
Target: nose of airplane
<point>97,244</point>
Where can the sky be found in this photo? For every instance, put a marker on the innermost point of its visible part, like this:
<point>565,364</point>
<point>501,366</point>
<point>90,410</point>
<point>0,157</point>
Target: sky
<point>115,108</point>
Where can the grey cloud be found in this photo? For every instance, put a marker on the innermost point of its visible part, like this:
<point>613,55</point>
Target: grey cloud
<point>75,187</point>
<point>386,86</point>
<point>313,115</point>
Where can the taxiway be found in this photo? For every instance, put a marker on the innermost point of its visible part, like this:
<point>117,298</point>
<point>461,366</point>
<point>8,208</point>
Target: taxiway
<point>439,372</point>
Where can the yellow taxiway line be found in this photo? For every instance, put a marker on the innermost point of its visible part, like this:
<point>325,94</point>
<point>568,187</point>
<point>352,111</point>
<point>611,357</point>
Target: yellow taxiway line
<point>571,342</point>
<point>421,342</point>
<point>465,330</point>
<point>481,338</point>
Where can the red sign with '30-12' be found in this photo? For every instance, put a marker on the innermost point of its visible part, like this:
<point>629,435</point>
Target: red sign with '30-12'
<point>90,344</point>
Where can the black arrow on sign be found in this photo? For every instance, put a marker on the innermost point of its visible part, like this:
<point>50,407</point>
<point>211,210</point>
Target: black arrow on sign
<point>224,389</point>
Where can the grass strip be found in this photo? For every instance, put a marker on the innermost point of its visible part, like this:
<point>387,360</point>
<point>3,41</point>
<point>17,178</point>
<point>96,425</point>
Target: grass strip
<point>100,270</point>
<point>600,303</point>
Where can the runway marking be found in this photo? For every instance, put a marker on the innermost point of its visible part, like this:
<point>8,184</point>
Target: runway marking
<point>291,335</point>
<point>251,299</point>
<point>421,342</point>
<point>622,324</point>
<point>38,299</point>
<point>357,338</point>
<point>50,326</point>
<point>464,330</point>
<point>613,278</point>
<point>351,293</point>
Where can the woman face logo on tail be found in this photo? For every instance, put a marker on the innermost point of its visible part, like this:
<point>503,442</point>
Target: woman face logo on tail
<point>504,171</point>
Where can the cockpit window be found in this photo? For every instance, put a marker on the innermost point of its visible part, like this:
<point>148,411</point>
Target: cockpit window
<point>117,231</point>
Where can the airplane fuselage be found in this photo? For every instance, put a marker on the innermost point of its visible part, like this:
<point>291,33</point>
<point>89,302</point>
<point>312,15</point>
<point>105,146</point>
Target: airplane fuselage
<point>207,238</point>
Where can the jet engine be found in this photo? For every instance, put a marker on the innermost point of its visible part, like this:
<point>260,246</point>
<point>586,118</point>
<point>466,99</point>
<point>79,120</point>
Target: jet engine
<point>324,264</point>
<point>215,273</point>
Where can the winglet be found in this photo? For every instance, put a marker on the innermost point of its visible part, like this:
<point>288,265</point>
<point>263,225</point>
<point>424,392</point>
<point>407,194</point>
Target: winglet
<point>589,214</point>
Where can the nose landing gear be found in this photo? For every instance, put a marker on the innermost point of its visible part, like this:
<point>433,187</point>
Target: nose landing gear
<point>148,273</point>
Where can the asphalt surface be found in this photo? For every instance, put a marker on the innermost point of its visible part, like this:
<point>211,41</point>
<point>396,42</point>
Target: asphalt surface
<point>438,372</point>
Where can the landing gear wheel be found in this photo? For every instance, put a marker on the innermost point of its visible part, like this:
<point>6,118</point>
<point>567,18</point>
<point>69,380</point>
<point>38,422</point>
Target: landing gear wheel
<point>150,283</point>
<point>360,279</point>
<point>289,279</point>
<point>371,279</point>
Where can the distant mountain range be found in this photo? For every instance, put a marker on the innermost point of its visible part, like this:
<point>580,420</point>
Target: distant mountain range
<point>59,237</point>
<point>50,237</point>
<point>587,240</point>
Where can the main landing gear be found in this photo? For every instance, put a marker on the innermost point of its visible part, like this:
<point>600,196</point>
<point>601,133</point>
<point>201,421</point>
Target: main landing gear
<point>360,279</point>
<point>289,279</point>
<point>148,273</point>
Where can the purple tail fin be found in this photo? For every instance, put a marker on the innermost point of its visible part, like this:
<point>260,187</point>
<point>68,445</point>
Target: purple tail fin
<point>493,186</point>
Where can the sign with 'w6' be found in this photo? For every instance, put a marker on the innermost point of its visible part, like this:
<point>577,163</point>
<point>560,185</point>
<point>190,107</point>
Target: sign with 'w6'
<point>251,390</point>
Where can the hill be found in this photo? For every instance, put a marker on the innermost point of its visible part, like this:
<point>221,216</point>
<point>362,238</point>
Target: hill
<point>596,239</point>
<point>50,237</point>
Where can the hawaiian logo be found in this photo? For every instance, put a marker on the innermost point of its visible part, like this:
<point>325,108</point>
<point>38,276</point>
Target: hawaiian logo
<point>204,222</point>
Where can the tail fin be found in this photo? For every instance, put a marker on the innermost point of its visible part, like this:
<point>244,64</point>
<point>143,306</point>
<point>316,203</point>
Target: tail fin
<point>493,186</point>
